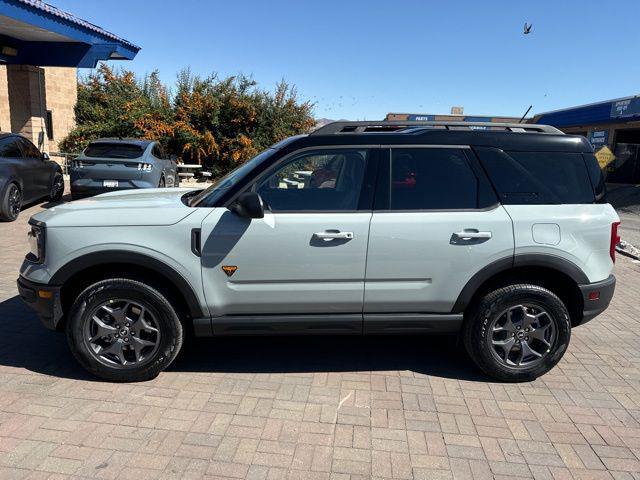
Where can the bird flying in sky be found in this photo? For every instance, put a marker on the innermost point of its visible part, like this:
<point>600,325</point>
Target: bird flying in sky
<point>527,28</point>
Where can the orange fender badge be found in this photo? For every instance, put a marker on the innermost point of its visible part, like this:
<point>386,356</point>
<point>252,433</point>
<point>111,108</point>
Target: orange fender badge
<point>229,269</point>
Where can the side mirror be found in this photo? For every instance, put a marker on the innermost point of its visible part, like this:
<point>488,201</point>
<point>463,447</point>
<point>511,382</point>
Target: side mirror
<point>45,156</point>
<point>173,157</point>
<point>248,205</point>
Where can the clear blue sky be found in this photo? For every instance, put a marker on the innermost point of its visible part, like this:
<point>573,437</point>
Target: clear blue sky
<point>362,59</point>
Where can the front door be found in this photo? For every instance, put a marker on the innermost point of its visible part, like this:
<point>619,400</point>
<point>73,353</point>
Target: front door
<point>438,224</point>
<point>305,258</point>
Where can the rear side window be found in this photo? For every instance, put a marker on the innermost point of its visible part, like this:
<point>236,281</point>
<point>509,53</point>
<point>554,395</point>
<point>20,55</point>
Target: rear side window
<point>113,150</point>
<point>596,176</point>
<point>538,177</point>
<point>9,148</point>
<point>432,179</point>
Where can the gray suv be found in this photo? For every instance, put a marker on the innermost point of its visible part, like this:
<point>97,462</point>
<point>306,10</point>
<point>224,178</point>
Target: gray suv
<point>497,232</point>
<point>121,164</point>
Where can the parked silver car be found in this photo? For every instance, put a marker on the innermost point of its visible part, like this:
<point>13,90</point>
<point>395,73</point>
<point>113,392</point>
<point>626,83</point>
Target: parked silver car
<point>121,164</point>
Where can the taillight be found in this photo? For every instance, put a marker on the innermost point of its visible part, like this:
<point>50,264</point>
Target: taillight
<point>615,239</point>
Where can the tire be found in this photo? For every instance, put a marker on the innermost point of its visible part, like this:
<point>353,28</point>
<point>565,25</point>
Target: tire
<point>496,318</point>
<point>111,358</point>
<point>57,188</point>
<point>11,203</point>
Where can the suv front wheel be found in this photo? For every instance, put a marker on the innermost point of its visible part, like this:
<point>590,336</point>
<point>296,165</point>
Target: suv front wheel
<point>518,332</point>
<point>123,330</point>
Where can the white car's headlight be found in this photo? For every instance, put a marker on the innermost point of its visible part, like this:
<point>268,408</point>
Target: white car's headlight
<point>36,237</point>
<point>145,167</point>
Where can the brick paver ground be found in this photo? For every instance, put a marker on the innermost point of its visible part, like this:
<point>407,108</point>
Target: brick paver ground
<point>326,408</point>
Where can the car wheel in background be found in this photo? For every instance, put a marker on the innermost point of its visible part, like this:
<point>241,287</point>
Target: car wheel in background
<point>517,333</point>
<point>57,188</point>
<point>123,330</point>
<point>11,203</point>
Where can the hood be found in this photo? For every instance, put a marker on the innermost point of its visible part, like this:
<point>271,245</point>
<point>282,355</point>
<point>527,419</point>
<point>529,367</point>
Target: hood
<point>145,207</point>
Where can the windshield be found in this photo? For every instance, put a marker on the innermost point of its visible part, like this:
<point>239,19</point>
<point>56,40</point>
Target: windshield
<point>215,191</point>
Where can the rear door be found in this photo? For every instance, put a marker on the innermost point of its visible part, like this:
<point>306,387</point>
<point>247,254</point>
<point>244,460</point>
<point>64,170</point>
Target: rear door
<point>436,222</point>
<point>305,257</point>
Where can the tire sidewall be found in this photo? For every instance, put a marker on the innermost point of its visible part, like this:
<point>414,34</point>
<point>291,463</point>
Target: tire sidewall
<point>481,341</point>
<point>5,211</point>
<point>58,195</point>
<point>171,331</point>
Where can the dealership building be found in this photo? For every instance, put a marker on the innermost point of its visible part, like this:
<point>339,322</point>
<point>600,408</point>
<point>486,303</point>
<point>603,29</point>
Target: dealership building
<point>41,49</point>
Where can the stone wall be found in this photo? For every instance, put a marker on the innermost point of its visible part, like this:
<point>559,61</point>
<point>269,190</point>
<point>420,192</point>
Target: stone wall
<point>27,92</point>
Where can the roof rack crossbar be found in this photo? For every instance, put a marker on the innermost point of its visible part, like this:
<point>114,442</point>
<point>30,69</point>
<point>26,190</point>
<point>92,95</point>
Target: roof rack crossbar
<point>345,127</point>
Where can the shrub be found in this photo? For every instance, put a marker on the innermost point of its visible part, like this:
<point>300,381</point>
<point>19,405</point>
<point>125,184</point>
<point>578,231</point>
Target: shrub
<point>214,122</point>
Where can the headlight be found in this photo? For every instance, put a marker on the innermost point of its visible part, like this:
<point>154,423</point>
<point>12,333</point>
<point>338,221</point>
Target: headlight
<point>36,237</point>
<point>145,167</point>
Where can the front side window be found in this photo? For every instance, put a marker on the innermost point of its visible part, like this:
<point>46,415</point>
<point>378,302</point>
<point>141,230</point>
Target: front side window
<point>29,149</point>
<point>157,152</point>
<point>318,180</point>
<point>9,148</point>
<point>432,179</point>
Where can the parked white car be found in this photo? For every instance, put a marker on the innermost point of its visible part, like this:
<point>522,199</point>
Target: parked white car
<point>499,234</point>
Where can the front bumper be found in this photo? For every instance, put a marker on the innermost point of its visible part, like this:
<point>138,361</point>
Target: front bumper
<point>44,299</point>
<point>595,306</point>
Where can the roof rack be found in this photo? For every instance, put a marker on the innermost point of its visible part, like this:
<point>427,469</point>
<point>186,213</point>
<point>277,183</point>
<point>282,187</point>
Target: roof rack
<point>398,125</point>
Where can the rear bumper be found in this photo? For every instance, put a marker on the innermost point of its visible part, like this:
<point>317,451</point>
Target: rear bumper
<point>85,187</point>
<point>44,299</point>
<point>594,307</point>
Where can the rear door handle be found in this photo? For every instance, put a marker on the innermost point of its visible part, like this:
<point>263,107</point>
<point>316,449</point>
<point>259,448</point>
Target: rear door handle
<point>334,235</point>
<point>472,235</point>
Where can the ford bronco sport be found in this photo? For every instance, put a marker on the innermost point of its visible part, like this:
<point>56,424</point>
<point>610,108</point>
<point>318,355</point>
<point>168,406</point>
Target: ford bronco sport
<point>498,232</point>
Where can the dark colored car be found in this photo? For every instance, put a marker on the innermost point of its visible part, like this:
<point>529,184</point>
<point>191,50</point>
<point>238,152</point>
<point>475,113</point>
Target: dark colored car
<point>110,164</point>
<point>26,175</point>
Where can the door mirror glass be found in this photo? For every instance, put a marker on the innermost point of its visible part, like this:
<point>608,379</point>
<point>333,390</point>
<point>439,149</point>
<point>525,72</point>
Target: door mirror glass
<point>248,205</point>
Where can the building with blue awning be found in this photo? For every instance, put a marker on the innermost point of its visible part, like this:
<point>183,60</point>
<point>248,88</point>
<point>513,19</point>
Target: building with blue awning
<point>614,124</point>
<point>41,48</point>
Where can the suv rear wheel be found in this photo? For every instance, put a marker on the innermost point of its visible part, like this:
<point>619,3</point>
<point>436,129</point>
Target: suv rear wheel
<point>518,332</point>
<point>124,330</point>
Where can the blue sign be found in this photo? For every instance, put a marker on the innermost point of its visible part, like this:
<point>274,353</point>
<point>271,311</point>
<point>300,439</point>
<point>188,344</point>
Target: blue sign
<point>599,138</point>
<point>421,118</point>
<point>626,108</point>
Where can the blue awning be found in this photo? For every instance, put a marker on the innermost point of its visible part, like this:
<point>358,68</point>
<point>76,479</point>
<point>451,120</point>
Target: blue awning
<point>618,110</point>
<point>35,33</point>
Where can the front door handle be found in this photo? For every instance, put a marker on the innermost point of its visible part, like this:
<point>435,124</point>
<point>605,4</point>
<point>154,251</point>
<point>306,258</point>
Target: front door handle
<point>334,235</point>
<point>468,235</point>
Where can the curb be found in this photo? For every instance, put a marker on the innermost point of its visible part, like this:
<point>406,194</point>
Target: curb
<point>628,250</point>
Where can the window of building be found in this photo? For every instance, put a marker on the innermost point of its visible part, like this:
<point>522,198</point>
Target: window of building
<point>432,179</point>
<point>321,180</point>
<point>49,124</point>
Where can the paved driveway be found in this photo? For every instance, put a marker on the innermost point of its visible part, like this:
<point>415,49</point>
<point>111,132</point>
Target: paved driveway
<point>323,408</point>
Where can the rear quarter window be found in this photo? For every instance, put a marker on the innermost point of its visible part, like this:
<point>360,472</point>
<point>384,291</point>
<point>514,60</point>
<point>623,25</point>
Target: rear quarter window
<point>538,177</point>
<point>113,150</point>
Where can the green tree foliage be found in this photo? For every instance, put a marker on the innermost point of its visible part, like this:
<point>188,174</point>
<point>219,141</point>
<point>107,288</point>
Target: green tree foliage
<point>216,122</point>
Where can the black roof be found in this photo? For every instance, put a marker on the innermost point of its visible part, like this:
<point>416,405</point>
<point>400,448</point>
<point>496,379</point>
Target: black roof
<point>511,138</point>
<point>129,141</point>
